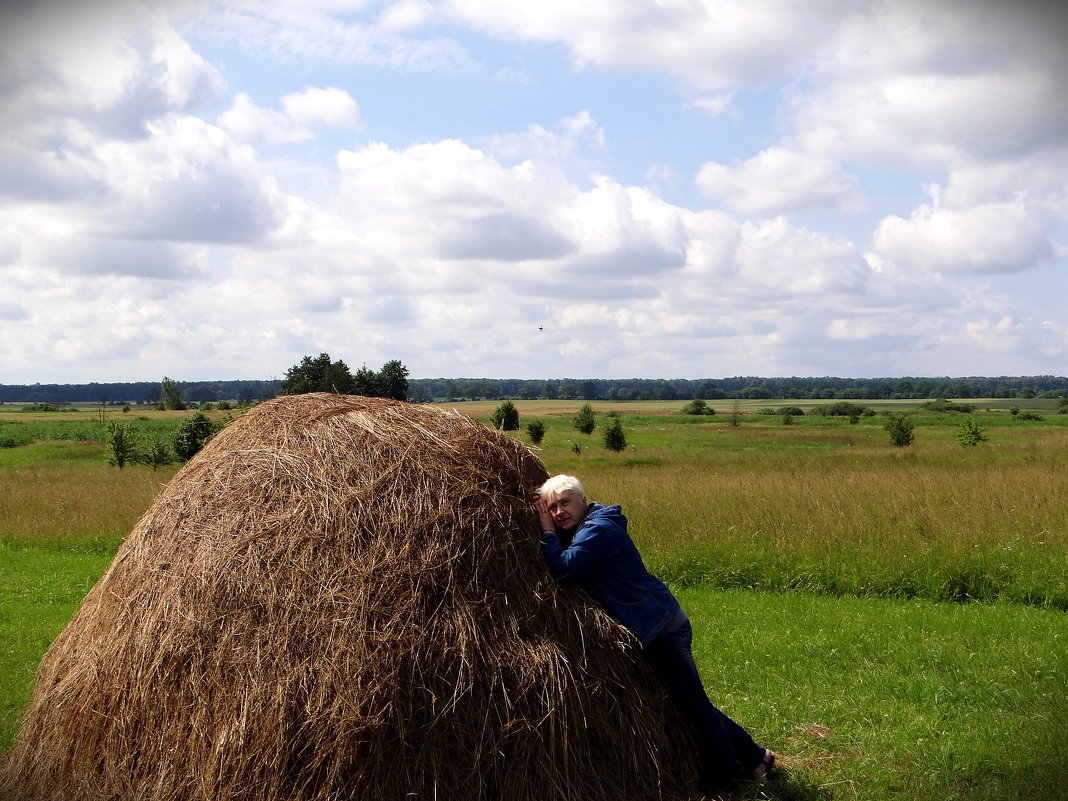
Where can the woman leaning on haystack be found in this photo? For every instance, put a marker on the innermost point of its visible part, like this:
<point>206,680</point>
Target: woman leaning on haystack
<point>587,544</point>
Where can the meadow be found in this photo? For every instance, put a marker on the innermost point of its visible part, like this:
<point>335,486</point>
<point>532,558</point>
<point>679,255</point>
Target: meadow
<point>893,621</point>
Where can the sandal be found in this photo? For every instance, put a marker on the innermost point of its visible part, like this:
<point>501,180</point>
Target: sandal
<point>763,769</point>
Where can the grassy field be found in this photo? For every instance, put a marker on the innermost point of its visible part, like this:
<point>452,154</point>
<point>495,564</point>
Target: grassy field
<point>833,579</point>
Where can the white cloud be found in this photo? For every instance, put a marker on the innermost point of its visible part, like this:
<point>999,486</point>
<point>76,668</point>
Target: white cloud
<point>109,65</point>
<point>328,107</point>
<point>189,182</point>
<point>920,84</point>
<point>710,105</point>
<point>566,142</point>
<point>1040,178</point>
<point>328,33</point>
<point>704,46</point>
<point>456,232</point>
<point>303,111</point>
<point>987,238</point>
<point>247,122</point>
<point>778,180</point>
<point>922,121</point>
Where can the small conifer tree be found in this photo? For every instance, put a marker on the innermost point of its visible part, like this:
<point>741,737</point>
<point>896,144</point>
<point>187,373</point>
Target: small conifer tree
<point>584,420</point>
<point>899,427</point>
<point>536,431</point>
<point>506,417</point>
<point>614,438</point>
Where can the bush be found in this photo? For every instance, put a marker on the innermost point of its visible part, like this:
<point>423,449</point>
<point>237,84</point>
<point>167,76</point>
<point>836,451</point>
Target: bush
<point>614,438</point>
<point>899,426</point>
<point>122,444</point>
<point>158,453</point>
<point>584,421</point>
<point>1033,416</point>
<point>192,435</point>
<point>698,407</point>
<point>8,440</point>
<point>793,411</point>
<point>943,405</point>
<point>969,433</point>
<point>536,431</point>
<point>844,409</point>
<point>506,417</point>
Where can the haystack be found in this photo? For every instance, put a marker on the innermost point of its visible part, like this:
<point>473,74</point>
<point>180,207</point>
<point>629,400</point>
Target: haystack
<point>343,598</point>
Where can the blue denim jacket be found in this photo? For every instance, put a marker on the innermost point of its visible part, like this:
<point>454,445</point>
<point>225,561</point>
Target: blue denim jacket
<point>603,560</point>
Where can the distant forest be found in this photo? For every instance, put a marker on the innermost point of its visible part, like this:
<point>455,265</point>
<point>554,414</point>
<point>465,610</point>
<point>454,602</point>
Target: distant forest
<point>591,389</point>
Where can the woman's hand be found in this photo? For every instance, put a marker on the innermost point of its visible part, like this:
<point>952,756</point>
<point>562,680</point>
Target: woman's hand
<point>545,520</point>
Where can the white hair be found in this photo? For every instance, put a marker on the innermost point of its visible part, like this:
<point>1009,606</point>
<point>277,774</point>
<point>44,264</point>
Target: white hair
<point>561,484</point>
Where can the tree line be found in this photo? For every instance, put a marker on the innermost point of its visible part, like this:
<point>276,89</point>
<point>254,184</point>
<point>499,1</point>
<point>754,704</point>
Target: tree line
<point>389,381</point>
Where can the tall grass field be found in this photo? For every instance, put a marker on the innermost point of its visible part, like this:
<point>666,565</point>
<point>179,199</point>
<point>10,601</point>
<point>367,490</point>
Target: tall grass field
<point>893,621</point>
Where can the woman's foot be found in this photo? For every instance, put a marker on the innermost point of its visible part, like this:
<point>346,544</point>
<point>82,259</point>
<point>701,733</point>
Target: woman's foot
<point>761,771</point>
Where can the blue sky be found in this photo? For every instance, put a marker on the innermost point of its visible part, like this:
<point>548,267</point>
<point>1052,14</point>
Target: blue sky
<point>678,189</point>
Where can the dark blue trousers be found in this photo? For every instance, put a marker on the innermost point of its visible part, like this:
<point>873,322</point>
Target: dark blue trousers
<point>726,749</point>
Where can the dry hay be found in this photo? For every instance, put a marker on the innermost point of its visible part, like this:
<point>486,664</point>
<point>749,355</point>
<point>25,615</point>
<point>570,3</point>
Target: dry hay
<point>343,598</point>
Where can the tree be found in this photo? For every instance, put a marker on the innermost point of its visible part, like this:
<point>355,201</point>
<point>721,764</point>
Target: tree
<point>318,375</point>
<point>170,396</point>
<point>584,421</point>
<point>122,444</point>
<point>614,438</point>
<point>366,383</point>
<point>506,417</point>
<point>158,453</point>
<point>736,412</point>
<point>192,434</point>
<point>969,433</point>
<point>393,380</point>
<point>899,426</point>
<point>536,431</point>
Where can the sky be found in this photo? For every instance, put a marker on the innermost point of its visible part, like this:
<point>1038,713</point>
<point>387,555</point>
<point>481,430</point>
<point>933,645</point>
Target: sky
<point>214,189</point>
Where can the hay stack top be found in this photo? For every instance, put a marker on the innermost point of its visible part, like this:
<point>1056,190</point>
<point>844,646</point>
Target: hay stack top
<point>339,598</point>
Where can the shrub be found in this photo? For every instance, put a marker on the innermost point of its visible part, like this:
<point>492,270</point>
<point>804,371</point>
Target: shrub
<point>698,407</point>
<point>614,438</point>
<point>584,421</point>
<point>506,417</point>
<point>794,411</point>
<point>844,409</point>
<point>1029,416</point>
<point>536,431</point>
<point>158,453</point>
<point>943,405</point>
<point>969,433</point>
<point>122,444</point>
<point>191,436</point>
<point>736,412</point>
<point>10,440</point>
<point>899,426</point>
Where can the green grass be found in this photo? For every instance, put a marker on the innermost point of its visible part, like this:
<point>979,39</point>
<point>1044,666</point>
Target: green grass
<point>40,589</point>
<point>815,560</point>
<point>883,699</point>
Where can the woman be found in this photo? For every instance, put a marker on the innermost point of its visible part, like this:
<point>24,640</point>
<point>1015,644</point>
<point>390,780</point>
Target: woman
<point>587,544</point>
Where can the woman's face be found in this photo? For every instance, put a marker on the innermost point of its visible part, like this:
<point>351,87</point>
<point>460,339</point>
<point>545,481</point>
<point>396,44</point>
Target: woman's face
<point>566,509</point>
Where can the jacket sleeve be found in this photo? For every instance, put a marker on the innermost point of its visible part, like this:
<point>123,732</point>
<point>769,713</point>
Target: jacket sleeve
<point>593,544</point>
